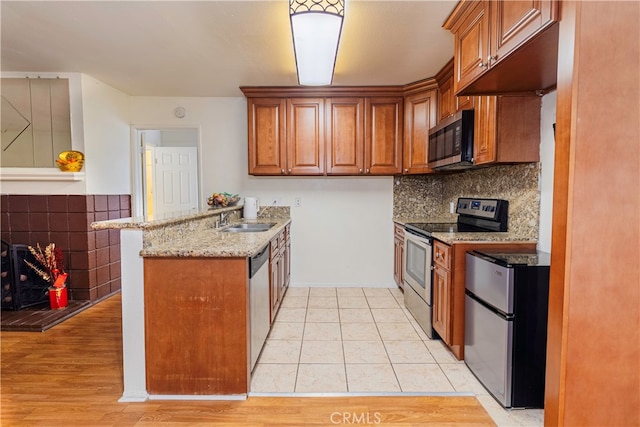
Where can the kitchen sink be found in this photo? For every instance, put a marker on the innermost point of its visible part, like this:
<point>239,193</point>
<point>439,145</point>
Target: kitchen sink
<point>246,227</point>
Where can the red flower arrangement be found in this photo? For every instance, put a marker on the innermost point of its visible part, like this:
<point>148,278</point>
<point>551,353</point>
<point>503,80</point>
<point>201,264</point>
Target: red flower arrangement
<point>50,266</point>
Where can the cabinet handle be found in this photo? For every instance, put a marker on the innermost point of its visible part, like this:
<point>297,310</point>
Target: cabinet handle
<point>490,59</point>
<point>368,171</point>
<point>289,171</point>
<point>360,171</point>
<point>282,172</point>
<point>481,65</point>
<point>406,170</point>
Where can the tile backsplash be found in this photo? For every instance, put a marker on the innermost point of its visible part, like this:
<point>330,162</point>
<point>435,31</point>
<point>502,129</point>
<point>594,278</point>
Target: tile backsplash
<point>428,196</point>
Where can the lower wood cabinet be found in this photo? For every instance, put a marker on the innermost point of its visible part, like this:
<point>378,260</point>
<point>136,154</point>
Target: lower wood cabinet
<point>398,255</point>
<point>449,275</point>
<point>196,331</point>
<point>441,302</point>
<point>279,269</point>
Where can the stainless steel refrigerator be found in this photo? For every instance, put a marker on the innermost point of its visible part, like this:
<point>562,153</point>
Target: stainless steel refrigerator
<point>506,301</point>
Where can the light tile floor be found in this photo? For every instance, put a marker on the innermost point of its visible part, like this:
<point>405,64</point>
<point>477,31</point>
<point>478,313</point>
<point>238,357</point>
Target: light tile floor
<point>340,340</point>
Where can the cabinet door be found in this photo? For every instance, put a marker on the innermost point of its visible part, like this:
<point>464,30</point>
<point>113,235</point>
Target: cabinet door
<point>383,136</point>
<point>345,136</point>
<point>446,102</point>
<point>396,260</point>
<point>267,151</point>
<point>441,303</point>
<point>305,136</point>
<point>507,129</point>
<point>515,21</point>
<point>464,103</point>
<point>274,267</point>
<point>281,275</point>
<point>420,116</point>
<point>471,46</point>
<point>484,148</point>
<point>287,261</point>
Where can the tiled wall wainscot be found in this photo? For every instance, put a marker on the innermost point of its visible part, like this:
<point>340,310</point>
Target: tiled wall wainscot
<point>92,258</point>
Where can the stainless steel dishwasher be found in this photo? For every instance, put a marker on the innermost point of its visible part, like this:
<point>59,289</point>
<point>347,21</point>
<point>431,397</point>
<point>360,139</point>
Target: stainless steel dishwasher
<point>260,320</point>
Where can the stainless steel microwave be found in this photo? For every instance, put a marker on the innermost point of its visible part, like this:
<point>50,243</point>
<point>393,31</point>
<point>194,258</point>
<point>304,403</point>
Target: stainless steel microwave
<point>451,142</point>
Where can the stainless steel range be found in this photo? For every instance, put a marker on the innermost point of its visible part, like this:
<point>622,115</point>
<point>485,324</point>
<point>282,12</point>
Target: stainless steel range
<point>474,215</point>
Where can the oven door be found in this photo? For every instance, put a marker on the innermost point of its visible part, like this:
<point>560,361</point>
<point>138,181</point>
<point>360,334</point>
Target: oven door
<point>417,265</point>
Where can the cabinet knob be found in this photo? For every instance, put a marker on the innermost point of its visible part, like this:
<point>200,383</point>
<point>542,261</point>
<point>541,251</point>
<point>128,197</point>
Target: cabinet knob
<point>282,172</point>
<point>481,65</point>
<point>490,59</point>
<point>360,170</point>
<point>406,170</point>
<point>289,171</point>
<point>368,171</point>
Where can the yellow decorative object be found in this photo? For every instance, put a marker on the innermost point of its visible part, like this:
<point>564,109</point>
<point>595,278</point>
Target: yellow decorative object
<point>70,161</point>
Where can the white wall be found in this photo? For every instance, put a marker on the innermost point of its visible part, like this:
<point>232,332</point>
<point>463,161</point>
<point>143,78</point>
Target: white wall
<point>106,137</point>
<point>100,129</point>
<point>343,232</point>
<point>547,150</point>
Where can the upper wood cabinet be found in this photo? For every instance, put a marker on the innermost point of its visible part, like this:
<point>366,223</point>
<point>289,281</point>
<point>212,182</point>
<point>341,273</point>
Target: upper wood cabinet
<point>267,149</point>
<point>446,99</point>
<point>419,117</point>
<point>302,131</point>
<point>506,129</point>
<point>345,136</point>
<point>305,136</point>
<point>448,102</point>
<point>364,136</point>
<point>503,46</point>
<point>383,136</point>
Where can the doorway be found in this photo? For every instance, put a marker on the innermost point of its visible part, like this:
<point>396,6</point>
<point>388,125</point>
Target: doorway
<point>166,171</point>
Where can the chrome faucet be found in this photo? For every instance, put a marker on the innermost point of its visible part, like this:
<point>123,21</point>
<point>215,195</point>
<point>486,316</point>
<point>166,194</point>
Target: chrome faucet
<point>224,218</point>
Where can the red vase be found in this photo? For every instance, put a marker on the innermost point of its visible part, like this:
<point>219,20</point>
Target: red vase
<point>58,297</point>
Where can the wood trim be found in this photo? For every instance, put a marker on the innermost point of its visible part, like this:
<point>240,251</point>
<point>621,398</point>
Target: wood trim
<point>338,91</point>
<point>445,73</point>
<point>594,311</point>
<point>455,17</point>
<point>419,87</point>
<point>328,91</point>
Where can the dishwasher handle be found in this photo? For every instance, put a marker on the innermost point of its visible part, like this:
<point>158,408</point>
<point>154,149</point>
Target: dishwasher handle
<point>258,260</point>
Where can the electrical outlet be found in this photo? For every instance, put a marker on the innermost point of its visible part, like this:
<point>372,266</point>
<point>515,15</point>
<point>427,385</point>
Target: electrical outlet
<point>298,202</point>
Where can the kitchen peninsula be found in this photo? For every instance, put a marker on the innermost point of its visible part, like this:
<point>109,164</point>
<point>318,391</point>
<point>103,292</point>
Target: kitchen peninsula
<point>185,302</point>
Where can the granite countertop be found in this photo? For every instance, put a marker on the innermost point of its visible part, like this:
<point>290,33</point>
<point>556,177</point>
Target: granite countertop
<point>173,218</point>
<point>212,242</point>
<point>459,237</point>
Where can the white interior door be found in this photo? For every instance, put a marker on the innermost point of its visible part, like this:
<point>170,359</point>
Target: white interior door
<point>175,186</point>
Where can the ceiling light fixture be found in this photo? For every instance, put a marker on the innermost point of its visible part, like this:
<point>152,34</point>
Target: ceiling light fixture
<point>316,27</point>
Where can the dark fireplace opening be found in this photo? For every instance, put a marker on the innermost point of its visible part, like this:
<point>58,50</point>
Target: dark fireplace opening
<point>21,286</point>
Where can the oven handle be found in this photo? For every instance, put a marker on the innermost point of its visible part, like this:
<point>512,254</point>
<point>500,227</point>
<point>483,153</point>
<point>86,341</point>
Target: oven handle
<point>419,236</point>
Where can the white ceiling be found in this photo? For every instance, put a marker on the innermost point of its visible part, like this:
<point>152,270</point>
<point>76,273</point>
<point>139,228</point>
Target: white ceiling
<point>210,48</point>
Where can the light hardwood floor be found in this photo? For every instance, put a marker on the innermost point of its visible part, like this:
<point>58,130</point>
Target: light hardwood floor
<point>71,375</point>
